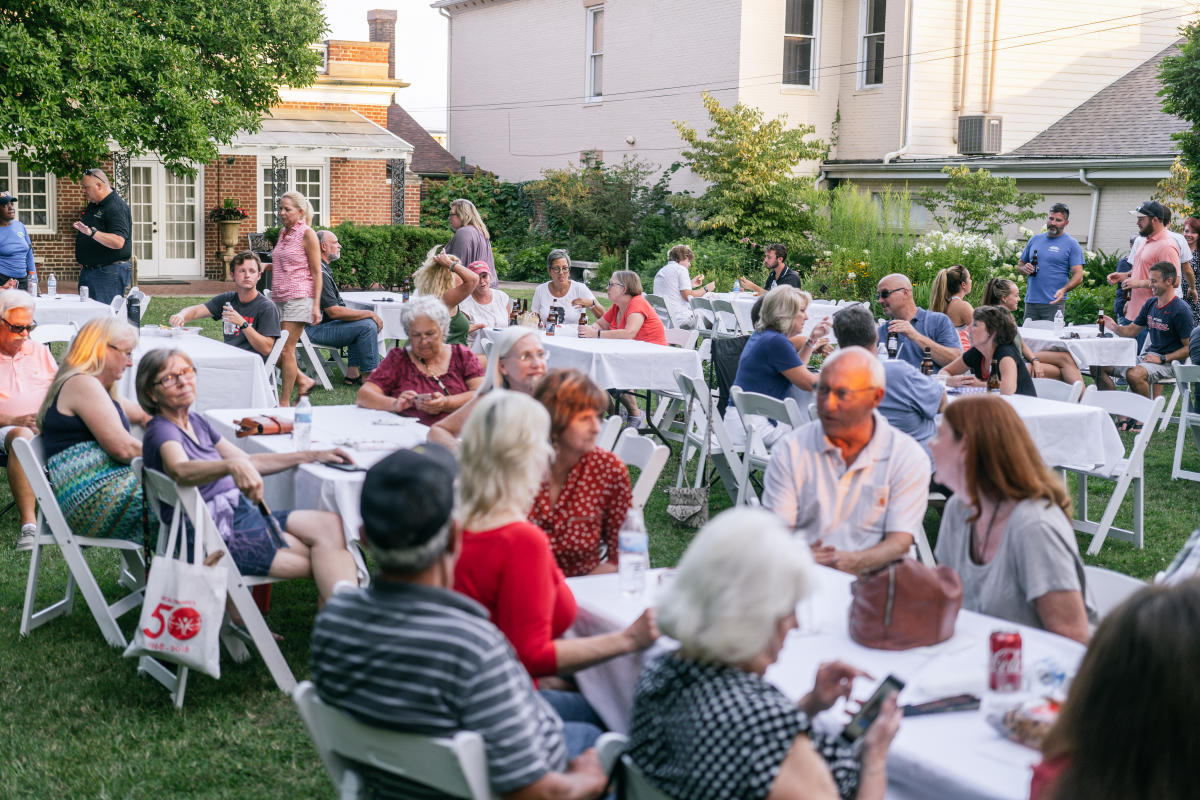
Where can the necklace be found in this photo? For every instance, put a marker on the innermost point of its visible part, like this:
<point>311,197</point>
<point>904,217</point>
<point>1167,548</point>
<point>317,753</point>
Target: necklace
<point>428,372</point>
<point>980,552</point>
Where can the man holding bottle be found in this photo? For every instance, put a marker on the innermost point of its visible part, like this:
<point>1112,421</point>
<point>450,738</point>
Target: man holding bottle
<point>1054,263</point>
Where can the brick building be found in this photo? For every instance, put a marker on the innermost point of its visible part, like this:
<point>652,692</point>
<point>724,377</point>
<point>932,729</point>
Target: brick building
<point>329,141</point>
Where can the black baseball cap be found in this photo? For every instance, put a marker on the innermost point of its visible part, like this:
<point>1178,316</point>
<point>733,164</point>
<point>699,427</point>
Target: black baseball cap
<point>1151,208</point>
<point>6,198</point>
<point>408,497</point>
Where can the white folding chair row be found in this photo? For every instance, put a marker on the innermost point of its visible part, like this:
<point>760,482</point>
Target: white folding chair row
<point>698,426</point>
<point>705,319</point>
<point>610,747</point>
<point>1052,389</point>
<point>753,407</point>
<point>650,458</point>
<point>666,414</point>
<point>659,304</point>
<point>272,364</point>
<point>53,530</point>
<point>1186,378</point>
<point>54,332</point>
<point>1126,472</point>
<point>456,766</point>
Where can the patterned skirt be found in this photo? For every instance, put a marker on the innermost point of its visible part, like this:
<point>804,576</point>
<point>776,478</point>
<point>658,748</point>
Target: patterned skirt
<point>99,497</point>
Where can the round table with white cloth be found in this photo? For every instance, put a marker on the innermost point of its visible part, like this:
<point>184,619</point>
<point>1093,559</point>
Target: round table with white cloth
<point>386,305</point>
<point>1089,350</point>
<point>225,375</point>
<point>64,309</point>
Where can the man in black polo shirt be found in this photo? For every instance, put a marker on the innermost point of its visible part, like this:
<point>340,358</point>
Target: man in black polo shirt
<point>778,272</point>
<point>341,326</point>
<point>104,239</point>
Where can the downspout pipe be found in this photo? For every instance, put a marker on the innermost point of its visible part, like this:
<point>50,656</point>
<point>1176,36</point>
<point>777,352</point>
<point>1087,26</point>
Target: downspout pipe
<point>1091,240</point>
<point>449,71</point>
<point>991,90</point>
<point>906,99</point>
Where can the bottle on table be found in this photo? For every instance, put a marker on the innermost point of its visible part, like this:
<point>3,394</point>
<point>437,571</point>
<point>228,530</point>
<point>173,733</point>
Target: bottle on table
<point>1033,262</point>
<point>405,291</point>
<point>133,310</point>
<point>1100,321</point>
<point>737,284</point>
<point>31,282</point>
<point>551,323</point>
<point>634,553</point>
<point>893,344</point>
<point>1059,321</point>
<point>993,381</point>
<point>927,362</point>
<point>512,314</point>
<point>302,425</point>
<point>52,286</point>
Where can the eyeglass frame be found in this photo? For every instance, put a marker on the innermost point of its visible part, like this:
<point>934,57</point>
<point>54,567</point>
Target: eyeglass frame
<point>842,395</point>
<point>525,358</point>
<point>19,329</point>
<point>174,378</point>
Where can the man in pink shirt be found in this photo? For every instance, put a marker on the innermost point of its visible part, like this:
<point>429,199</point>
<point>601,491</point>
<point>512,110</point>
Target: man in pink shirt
<point>26,371</point>
<point>1151,222</point>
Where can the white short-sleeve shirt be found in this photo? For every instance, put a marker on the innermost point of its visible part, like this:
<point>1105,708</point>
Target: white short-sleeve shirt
<point>494,314</point>
<point>885,490</point>
<point>668,283</point>
<point>543,301</point>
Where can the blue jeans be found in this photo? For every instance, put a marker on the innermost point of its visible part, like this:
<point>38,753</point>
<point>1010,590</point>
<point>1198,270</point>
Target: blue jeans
<point>106,282</point>
<point>360,335</point>
<point>581,726</point>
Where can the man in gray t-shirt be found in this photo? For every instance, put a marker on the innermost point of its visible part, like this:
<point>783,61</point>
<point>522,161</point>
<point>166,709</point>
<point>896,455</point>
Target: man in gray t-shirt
<point>254,318</point>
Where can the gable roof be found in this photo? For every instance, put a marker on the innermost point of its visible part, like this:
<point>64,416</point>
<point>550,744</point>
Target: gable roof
<point>429,157</point>
<point>343,133</point>
<point>1123,119</point>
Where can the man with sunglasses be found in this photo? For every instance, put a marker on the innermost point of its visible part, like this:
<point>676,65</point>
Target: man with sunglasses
<point>26,371</point>
<point>103,239</point>
<point>918,328</point>
<point>852,485</point>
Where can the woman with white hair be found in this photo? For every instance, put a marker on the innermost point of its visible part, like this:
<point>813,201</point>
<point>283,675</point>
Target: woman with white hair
<point>471,241</point>
<point>706,724</point>
<point>506,562</point>
<point>427,379</point>
<point>295,286</point>
<point>518,361</point>
<point>444,276</point>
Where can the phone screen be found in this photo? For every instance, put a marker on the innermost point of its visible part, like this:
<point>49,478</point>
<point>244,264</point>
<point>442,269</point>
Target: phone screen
<point>862,720</point>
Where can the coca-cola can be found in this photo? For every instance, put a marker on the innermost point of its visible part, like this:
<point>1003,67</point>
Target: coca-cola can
<point>1004,661</point>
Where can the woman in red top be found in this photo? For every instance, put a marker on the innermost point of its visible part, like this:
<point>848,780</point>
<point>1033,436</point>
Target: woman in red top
<point>506,563</point>
<point>586,495</point>
<point>295,286</point>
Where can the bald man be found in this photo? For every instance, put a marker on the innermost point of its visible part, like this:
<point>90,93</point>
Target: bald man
<point>917,327</point>
<point>855,487</point>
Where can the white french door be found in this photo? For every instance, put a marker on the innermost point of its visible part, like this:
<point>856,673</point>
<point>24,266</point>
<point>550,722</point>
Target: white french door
<point>168,221</point>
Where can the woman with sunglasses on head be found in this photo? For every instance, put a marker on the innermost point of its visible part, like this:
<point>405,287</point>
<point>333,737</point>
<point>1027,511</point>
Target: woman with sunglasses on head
<point>85,428</point>
<point>181,443</point>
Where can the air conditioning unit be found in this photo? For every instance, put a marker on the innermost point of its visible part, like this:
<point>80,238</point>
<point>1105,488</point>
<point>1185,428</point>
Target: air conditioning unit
<point>979,135</point>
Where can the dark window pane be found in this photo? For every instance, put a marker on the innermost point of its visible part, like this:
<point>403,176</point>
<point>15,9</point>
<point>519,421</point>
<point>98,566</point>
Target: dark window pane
<point>797,62</point>
<point>875,15</point>
<point>799,17</point>
<point>873,69</point>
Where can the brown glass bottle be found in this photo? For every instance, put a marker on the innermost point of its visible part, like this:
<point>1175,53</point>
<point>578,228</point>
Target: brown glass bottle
<point>1033,262</point>
<point>927,362</point>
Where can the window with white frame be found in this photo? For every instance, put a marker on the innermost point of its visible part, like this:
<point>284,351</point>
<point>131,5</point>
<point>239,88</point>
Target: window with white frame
<point>595,53</point>
<point>310,180</point>
<point>35,195</point>
<point>800,43</point>
<point>874,13</point>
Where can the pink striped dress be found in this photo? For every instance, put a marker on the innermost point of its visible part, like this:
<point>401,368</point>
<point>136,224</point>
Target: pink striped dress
<point>293,279</point>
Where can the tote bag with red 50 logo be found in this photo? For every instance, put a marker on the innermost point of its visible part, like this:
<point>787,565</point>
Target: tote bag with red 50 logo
<point>183,608</point>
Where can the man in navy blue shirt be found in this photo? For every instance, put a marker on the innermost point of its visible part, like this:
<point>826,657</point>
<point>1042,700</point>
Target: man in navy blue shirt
<point>1059,269</point>
<point>918,328</point>
<point>1169,321</point>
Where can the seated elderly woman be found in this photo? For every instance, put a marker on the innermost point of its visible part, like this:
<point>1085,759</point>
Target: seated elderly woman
<point>427,379</point>
<point>992,333</point>
<point>445,277</point>
<point>574,298</point>
<point>506,563</point>
<point>85,433</point>
<point>518,360</point>
<point>1007,530</point>
<point>706,724</point>
<point>586,495</point>
<point>770,363</point>
<point>181,443</point>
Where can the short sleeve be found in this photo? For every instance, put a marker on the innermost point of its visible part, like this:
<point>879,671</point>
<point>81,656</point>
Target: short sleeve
<point>1076,254</point>
<point>119,222</point>
<point>974,361</point>
<point>217,304</point>
<point>266,317</point>
<point>526,600</point>
<point>1181,320</point>
<point>468,363</point>
<point>329,295</point>
<point>780,355</point>
<point>389,374</point>
<point>1045,557</point>
<point>1027,252</point>
<point>610,316</point>
<point>946,334</point>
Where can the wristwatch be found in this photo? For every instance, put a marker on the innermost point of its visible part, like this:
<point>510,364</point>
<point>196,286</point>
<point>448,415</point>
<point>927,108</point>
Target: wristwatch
<point>93,233</point>
<point>243,326</point>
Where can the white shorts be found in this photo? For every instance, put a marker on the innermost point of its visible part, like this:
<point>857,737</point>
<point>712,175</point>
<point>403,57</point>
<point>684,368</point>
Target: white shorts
<point>298,310</point>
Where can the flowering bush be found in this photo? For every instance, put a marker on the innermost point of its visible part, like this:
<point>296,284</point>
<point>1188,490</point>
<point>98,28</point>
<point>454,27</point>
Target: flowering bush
<point>228,210</point>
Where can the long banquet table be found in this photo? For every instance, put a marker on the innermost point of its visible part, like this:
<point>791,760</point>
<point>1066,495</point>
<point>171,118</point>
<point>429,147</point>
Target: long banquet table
<point>953,755</point>
<point>1088,350</point>
<point>1069,433</point>
<point>67,308</point>
<point>386,304</point>
<point>225,375</point>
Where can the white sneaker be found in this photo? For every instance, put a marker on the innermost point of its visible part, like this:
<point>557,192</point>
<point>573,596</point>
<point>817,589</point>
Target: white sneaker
<point>26,537</point>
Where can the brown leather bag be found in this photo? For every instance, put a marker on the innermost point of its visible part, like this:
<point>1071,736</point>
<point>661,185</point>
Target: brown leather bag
<point>262,424</point>
<point>904,604</point>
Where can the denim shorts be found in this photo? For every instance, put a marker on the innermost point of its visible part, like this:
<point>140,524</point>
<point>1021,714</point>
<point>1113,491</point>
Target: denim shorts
<point>251,546</point>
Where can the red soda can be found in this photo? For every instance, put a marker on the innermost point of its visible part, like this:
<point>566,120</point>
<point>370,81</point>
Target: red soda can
<point>1004,662</point>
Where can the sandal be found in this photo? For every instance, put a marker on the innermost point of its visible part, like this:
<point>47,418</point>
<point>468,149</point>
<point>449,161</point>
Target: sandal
<point>352,381</point>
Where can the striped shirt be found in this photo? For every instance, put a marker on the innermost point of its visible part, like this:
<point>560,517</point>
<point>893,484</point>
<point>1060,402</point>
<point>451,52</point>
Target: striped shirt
<point>427,660</point>
<point>292,279</point>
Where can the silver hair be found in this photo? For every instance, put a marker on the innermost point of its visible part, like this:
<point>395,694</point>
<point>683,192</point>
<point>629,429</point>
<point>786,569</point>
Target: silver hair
<point>15,298</point>
<point>411,560</point>
<point>780,307</point>
<point>501,347</point>
<point>739,577</point>
<point>865,358</point>
<point>426,306</point>
<point>555,255</point>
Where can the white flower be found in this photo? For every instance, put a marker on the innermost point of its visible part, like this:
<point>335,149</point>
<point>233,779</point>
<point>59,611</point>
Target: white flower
<point>866,252</point>
<point>1011,243</point>
<point>827,253</point>
<point>1024,231</point>
<point>1088,254</point>
<point>929,263</point>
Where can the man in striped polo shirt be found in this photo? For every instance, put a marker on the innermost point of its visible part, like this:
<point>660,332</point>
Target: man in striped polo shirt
<point>413,655</point>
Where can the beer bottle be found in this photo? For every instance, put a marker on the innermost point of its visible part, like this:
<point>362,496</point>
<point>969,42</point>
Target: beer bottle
<point>1033,263</point>
<point>1100,321</point>
<point>512,314</point>
<point>893,344</point>
<point>927,362</point>
<point>993,381</point>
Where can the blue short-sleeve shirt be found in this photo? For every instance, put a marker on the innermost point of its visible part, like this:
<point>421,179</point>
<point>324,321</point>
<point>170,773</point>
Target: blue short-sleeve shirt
<point>1056,256</point>
<point>766,356</point>
<point>933,324</point>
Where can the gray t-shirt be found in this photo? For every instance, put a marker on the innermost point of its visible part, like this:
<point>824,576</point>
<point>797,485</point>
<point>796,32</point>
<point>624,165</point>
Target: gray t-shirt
<point>1038,554</point>
<point>260,312</point>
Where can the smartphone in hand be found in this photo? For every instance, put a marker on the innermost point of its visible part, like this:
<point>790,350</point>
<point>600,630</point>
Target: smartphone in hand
<point>866,715</point>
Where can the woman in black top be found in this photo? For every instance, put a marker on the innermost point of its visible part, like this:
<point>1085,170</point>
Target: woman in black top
<point>992,334</point>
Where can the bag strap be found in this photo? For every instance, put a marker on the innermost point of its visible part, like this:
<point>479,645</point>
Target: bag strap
<point>891,596</point>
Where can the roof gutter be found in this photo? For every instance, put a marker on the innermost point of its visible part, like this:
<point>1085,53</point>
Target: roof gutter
<point>1095,207</point>
<point>906,99</point>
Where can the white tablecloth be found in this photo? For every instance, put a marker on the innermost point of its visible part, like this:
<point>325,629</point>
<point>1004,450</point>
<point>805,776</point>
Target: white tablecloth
<point>617,363</point>
<point>744,301</point>
<point>954,755</point>
<point>1069,433</point>
<point>67,308</point>
<point>386,304</point>
<point>225,375</point>
<point>1088,350</point>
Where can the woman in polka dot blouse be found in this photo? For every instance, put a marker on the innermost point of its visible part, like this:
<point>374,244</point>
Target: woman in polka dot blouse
<point>586,496</point>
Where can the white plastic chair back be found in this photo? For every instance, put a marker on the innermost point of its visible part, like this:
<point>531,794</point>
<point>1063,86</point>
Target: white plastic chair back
<point>727,322</point>
<point>610,429</point>
<point>679,337</point>
<point>1051,389</point>
<point>118,304</point>
<point>1109,589</point>
<point>699,425</point>
<point>1187,377</point>
<point>752,408</point>
<point>54,332</point>
<point>660,307</point>
<point>610,747</point>
<point>650,458</point>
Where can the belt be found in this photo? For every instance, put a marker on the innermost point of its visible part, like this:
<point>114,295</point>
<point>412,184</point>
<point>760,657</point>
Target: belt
<point>109,264</point>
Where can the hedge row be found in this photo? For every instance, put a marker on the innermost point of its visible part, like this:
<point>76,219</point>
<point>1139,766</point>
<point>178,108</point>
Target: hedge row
<point>379,254</point>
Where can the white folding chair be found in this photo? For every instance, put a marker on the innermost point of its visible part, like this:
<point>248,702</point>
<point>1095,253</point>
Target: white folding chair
<point>1186,378</point>
<point>1109,589</point>
<point>752,406</point>
<point>610,429</point>
<point>1052,389</point>
<point>610,747</point>
<point>54,530</point>
<point>660,307</point>
<point>665,417</point>
<point>330,357</point>
<point>54,332</point>
<point>272,362</point>
<point>699,425</point>
<point>143,298</point>
<point>118,304</point>
<point>1172,399</point>
<point>315,368</point>
<point>650,458</point>
<point>705,321</point>
<point>726,322</point>
<point>456,766</point>
<point>187,504</point>
<point>1125,472</point>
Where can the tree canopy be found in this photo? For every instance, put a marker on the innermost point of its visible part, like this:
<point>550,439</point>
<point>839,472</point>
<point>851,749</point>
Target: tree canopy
<point>978,201</point>
<point>171,78</point>
<point>1180,77</point>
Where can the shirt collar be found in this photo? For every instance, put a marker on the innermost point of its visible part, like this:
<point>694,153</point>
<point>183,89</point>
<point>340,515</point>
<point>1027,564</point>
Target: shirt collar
<point>876,448</point>
<point>27,349</point>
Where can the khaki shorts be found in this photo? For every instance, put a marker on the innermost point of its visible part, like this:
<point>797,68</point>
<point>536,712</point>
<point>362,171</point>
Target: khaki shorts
<point>1155,373</point>
<point>298,310</point>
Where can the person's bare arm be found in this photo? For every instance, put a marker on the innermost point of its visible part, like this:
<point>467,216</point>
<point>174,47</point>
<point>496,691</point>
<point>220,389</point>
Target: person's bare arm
<point>1063,612</point>
<point>371,395</point>
<point>584,779</point>
<point>312,249</point>
<point>352,314</point>
<point>134,412</point>
<point>85,397</point>
<point>452,297</point>
<point>894,545</point>
<point>803,775</point>
<point>447,430</point>
<point>199,311</point>
<point>942,354</point>
<point>1075,280</point>
<point>632,325</point>
<point>1127,331</point>
<point>801,377</point>
<point>955,367</point>
<point>572,655</point>
<point>1008,375</point>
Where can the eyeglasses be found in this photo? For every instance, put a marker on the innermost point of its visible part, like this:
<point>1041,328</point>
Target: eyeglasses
<point>19,329</point>
<point>884,294</point>
<point>613,283</point>
<point>127,353</point>
<point>842,395</point>
<point>561,270</point>
<point>532,355</point>
<point>173,378</point>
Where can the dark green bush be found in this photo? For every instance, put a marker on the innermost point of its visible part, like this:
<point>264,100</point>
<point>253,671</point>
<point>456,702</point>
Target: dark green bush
<point>379,254</point>
<point>528,264</point>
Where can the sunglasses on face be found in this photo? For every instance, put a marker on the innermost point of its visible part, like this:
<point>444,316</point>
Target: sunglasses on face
<point>884,294</point>
<point>19,329</point>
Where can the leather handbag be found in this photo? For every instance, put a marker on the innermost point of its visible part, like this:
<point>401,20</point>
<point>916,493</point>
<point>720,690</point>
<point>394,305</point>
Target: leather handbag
<point>262,425</point>
<point>904,604</point>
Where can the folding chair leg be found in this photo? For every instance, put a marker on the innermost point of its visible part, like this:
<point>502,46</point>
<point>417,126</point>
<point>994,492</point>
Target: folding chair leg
<point>174,679</point>
<point>1139,500</point>
<point>31,619</point>
<point>318,371</point>
<point>1169,411</point>
<point>1110,514</point>
<point>268,648</point>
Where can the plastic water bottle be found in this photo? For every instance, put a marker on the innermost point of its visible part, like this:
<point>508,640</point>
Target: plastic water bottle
<point>1059,322</point>
<point>302,425</point>
<point>634,557</point>
<point>31,282</point>
<point>52,286</point>
<point>882,351</point>
<point>737,285</point>
<point>227,327</point>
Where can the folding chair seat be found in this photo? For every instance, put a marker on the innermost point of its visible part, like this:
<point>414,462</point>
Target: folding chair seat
<point>1186,379</point>
<point>53,530</point>
<point>315,363</point>
<point>699,425</point>
<point>705,320</point>
<point>1109,589</point>
<point>1052,389</point>
<point>54,332</point>
<point>650,458</point>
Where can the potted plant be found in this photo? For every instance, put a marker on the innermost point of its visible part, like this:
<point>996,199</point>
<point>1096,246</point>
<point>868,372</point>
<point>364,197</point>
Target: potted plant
<point>228,216</point>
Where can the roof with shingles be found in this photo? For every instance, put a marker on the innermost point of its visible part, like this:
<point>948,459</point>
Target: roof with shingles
<point>429,157</point>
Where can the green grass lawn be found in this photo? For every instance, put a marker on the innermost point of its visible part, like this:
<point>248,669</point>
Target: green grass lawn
<point>76,720</point>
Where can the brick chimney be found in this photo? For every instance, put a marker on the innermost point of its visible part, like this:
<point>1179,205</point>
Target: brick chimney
<point>381,22</point>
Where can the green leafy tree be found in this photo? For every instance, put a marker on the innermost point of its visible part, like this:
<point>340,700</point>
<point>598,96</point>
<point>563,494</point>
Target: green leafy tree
<point>978,202</point>
<point>1180,78</point>
<point>173,78</point>
<point>506,208</point>
<point>750,164</point>
<point>1172,192</point>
